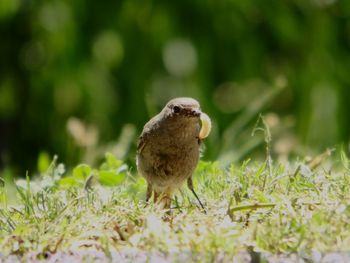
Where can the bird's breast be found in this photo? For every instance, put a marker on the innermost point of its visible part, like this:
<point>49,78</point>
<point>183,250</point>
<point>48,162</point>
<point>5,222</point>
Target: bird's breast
<point>170,154</point>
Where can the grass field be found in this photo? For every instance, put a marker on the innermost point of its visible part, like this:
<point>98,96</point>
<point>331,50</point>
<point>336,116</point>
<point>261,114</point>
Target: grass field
<point>254,211</point>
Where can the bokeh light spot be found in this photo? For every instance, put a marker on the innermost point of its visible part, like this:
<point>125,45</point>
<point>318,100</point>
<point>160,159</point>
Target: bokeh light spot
<point>108,49</point>
<point>54,16</point>
<point>180,57</point>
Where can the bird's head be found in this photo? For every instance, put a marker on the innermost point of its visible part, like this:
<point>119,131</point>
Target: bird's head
<point>180,111</point>
<point>179,108</point>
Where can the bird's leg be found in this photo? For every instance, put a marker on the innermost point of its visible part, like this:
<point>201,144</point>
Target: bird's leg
<point>156,195</point>
<point>149,192</point>
<point>167,201</point>
<point>190,186</point>
<point>163,199</point>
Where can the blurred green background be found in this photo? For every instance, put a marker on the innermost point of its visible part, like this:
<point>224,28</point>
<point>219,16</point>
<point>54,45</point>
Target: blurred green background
<point>79,78</point>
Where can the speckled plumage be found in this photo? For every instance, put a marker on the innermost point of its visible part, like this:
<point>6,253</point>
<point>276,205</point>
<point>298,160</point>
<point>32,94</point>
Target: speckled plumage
<point>168,148</point>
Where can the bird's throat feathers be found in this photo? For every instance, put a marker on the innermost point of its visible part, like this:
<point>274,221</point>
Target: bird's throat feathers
<point>182,128</point>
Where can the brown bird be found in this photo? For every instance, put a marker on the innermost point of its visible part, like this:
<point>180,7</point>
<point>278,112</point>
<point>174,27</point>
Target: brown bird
<point>168,148</point>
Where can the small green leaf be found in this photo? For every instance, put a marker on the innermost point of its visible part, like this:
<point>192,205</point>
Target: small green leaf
<point>81,172</point>
<point>68,182</point>
<point>110,178</point>
<point>111,162</point>
<point>138,186</point>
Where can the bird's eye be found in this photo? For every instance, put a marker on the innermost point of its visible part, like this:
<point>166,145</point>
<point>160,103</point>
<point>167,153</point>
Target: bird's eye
<point>176,109</point>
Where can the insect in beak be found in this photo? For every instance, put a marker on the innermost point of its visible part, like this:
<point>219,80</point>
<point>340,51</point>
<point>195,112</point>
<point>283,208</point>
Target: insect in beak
<point>206,126</point>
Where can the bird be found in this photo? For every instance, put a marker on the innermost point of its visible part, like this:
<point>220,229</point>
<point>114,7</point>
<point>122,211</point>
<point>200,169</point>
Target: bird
<point>168,149</point>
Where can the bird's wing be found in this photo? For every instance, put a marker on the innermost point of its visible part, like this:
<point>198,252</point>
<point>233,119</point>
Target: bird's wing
<point>141,143</point>
<point>146,133</point>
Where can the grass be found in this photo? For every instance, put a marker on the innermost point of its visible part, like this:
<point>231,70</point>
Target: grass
<point>255,210</point>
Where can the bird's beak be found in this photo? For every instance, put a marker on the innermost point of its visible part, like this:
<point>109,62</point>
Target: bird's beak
<point>196,113</point>
<point>193,112</point>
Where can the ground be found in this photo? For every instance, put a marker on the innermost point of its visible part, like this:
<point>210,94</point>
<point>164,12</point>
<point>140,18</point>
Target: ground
<point>254,210</point>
